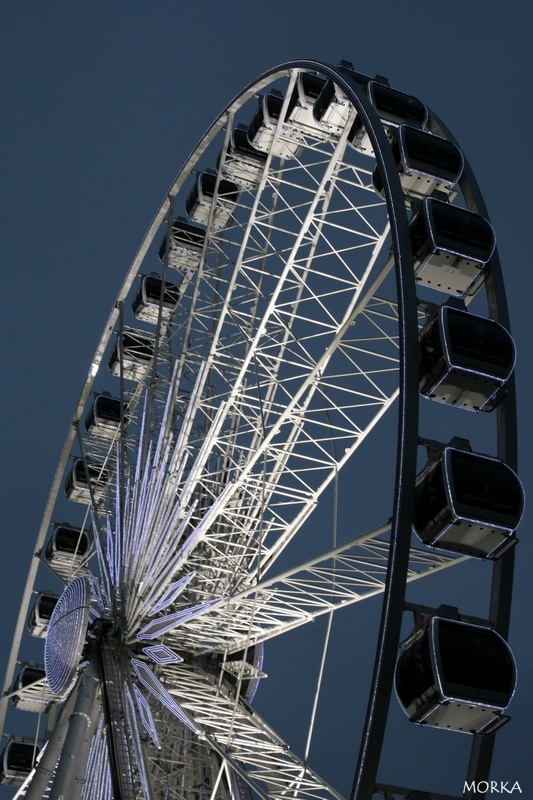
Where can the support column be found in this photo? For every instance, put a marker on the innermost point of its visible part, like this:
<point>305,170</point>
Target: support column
<point>70,774</point>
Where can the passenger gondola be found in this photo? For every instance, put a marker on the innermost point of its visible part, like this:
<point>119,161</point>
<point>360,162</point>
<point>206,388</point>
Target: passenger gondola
<point>451,247</point>
<point>425,163</point>
<point>465,360</point>
<point>103,417</point>
<point>394,108</point>
<point>332,108</point>
<point>40,614</point>
<point>30,691</point>
<point>200,200</point>
<point>17,761</point>
<point>152,302</point>
<point>243,163</point>
<point>186,245</point>
<point>67,550</point>
<point>131,354</point>
<point>456,675</point>
<point>77,486</point>
<point>263,126</point>
<point>301,105</point>
<point>468,503</point>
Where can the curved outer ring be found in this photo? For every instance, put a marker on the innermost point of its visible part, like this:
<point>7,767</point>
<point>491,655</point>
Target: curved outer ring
<point>407,441</point>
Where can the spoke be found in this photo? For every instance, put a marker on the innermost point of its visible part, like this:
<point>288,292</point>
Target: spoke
<point>347,574</point>
<point>251,746</point>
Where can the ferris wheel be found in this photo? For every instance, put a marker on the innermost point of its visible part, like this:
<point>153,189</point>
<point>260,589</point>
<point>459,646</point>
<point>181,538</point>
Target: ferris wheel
<point>322,261</point>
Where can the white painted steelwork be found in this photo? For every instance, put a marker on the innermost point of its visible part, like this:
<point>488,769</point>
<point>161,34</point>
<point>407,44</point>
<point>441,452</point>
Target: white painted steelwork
<point>285,353</point>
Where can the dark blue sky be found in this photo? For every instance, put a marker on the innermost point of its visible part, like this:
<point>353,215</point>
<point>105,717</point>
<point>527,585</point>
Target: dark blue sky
<point>103,101</point>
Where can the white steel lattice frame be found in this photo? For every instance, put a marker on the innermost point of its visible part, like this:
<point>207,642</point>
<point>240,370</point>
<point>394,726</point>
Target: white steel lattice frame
<point>279,362</point>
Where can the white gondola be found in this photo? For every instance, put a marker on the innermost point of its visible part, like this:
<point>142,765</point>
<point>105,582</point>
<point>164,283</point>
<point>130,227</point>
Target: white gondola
<point>67,550</point>
<point>186,245</point>
<point>31,691</point>
<point>40,614</point>
<point>263,125</point>
<point>468,503</point>
<point>394,108</point>
<point>201,197</point>
<point>456,675</point>
<point>132,353</point>
<point>152,301</point>
<point>17,761</point>
<point>103,418</point>
<point>451,247</point>
<point>425,163</point>
<point>77,486</point>
<point>300,111</point>
<point>465,360</point>
<point>243,163</point>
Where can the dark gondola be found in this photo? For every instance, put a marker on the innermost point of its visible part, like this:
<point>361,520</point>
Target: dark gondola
<point>40,614</point>
<point>451,247</point>
<point>332,108</point>
<point>465,360</point>
<point>468,503</point>
<point>243,163</point>
<point>262,128</point>
<point>137,350</point>
<point>456,675</point>
<point>425,163</point>
<point>17,761</point>
<point>186,245</point>
<point>67,550</point>
<point>300,111</point>
<point>27,697</point>
<point>394,108</point>
<point>200,200</point>
<point>77,481</point>
<point>152,301</point>
<point>103,417</point>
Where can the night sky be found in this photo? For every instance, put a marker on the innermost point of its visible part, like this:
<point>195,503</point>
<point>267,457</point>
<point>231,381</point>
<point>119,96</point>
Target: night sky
<point>102,102</point>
